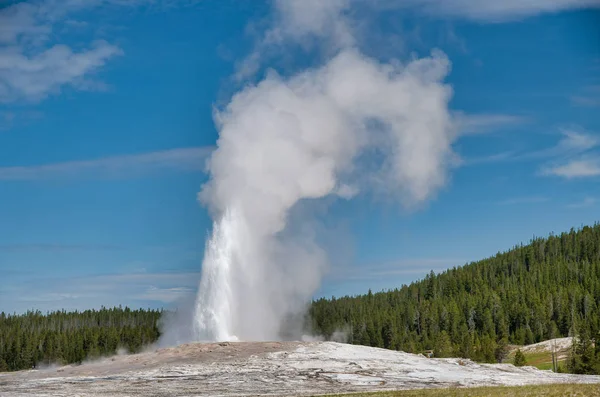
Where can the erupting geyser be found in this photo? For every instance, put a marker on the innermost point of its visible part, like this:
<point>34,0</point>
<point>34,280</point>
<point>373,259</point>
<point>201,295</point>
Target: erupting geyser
<point>214,317</point>
<point>303,138</point>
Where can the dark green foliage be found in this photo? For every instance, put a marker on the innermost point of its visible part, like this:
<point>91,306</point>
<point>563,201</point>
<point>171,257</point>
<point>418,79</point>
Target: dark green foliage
<point>583,358</point>
<point>34,339</point>
<point>501,351</point>
<point>520,359</point>
<point>547,289</point>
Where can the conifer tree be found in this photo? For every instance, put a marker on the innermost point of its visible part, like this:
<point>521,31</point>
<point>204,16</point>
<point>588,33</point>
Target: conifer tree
<point>549,288</point>
<point>520,359</point>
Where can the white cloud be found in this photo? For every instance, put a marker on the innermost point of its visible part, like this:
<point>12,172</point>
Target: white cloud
<point>33,77</point>
<point>574,142</point>
<point>493,11</point>
<point>33,65</point>
<point>333,24</point>
<point>492,158</point>
<point>574,169</point>
<point>577,141</point>
<point>21,20</point>
<point>112,167</point>
<point>469,124</point>
<point>569,157</point>
<point>31,68</point>
<point>573,157</point>
<point>333,19</point>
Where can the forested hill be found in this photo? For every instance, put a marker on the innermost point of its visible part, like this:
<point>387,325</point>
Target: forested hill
<point>60,337</point>
<point>546,289</point>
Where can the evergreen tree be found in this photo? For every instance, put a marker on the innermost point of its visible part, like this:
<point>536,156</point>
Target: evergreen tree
<point>520,359</point>
<point>443,346</point>
<point>501,351</point>
<point>583,358</point>
<point>482,307</point>
<point>60,337</point>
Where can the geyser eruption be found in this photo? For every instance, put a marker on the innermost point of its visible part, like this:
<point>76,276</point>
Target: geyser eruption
<point>215,298</point>
<point>306,137</point>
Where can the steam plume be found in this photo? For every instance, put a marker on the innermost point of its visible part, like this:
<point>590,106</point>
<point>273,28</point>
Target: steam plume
<point>285,140</point>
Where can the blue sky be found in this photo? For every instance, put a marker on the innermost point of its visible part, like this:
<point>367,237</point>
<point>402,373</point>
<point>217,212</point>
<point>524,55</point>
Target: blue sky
<point>106,122</point>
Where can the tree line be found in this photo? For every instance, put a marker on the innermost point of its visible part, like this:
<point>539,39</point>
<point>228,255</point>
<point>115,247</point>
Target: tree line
<point>33,339</point>
<point>546,289</point>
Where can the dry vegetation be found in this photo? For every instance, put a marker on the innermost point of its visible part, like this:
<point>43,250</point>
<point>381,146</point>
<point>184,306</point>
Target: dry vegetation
<point>570,390</point>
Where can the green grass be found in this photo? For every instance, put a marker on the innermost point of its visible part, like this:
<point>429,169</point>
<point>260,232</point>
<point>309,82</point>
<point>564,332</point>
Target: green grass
<point>540,360</point>
<point>519,391</point>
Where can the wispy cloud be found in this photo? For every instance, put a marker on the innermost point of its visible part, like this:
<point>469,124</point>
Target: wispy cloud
<point>524,200</point>
<point>482,123</point>
<point>587,101</point>
<point>496,11</point>
<point>492,158</point>
<point>585,203</point>
<point>56,247</point>
<point>70,293</point>
<point>589,97</point>
<point>574,142</point>
<point>166,295</point>
<point>162,280</point>
<point>578,140</point>
<point>31,65</point>
<point>127,166</point>
<point>478,124</point>
<point>574,169</point>
<point>404,267</point>
<point>574,155</point>
<point>35,64</point>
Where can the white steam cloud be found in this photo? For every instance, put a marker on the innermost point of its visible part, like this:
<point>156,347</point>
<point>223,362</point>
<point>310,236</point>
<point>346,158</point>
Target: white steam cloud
<point>307,137</point>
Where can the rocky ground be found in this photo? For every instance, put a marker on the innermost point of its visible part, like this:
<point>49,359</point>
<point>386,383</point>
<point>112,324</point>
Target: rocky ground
<point>276,368</point>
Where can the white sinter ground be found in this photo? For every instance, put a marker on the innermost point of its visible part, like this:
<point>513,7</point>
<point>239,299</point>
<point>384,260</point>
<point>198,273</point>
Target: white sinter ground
<point>559,344</point>
<point>270,368</point>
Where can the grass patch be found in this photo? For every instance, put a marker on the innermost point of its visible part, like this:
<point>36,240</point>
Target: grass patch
<point>540,360</point>
<point>556,390</point>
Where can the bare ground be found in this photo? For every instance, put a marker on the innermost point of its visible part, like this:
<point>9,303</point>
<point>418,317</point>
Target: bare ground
<point>272,368</point>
